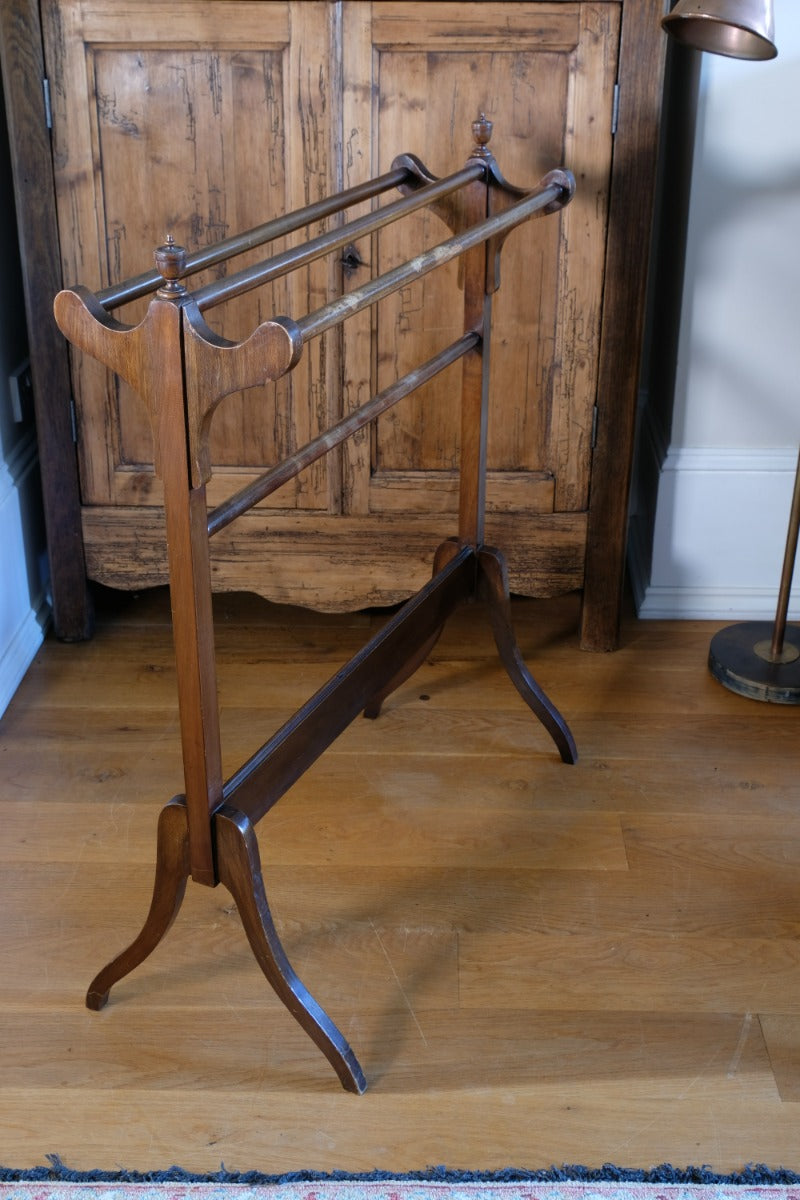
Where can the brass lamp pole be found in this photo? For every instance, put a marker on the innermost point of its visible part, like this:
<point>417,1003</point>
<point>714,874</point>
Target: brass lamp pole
<point>755,659</point>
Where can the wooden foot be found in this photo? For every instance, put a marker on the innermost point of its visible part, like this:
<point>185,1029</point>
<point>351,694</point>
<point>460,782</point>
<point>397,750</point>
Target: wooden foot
<point>172,873</point>
<point>239,868</point>
<point>444,554</point>
<point>493,588</point>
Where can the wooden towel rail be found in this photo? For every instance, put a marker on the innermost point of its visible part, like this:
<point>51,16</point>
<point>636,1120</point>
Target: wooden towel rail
<point>182,371</point>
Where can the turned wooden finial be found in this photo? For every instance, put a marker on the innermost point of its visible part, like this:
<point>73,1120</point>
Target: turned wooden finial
<point>482,133</point>
<point>171,263</point>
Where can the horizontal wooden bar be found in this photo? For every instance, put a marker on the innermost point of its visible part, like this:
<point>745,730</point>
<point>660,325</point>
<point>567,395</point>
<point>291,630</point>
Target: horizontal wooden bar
<point>141,285</point>
<point>277,476</point>
<point>290,260</point>
<point>265,777</point>
<point>340,309</point>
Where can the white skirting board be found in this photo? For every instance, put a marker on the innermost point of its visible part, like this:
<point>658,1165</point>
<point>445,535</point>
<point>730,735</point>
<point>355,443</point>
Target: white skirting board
<point>718,536</point>
<point>24,611</point>
<point>19,653</point>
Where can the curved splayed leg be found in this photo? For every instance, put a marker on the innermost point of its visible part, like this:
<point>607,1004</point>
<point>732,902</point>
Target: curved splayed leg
<point>239,868</point>
<point>172,873</point>
<point>493,588</point>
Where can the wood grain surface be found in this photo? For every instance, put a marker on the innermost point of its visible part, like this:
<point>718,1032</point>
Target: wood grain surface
<point>535,963</point>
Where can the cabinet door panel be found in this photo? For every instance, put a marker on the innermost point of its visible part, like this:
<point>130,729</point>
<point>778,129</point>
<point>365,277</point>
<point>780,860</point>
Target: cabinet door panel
<point>199,120</point>
<point>544,73</point>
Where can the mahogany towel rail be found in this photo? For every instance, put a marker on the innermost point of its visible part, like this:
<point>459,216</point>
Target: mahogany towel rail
<point>182,371</point>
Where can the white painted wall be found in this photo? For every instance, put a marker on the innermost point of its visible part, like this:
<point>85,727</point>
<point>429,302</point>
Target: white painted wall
<point>726,480</point>
<point>23,605</point>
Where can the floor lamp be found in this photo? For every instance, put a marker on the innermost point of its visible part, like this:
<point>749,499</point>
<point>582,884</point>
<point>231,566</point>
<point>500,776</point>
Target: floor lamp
<point>755,658</point>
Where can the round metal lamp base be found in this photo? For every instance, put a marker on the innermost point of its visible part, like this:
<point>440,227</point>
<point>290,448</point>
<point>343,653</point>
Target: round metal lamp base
<point>739,657</point>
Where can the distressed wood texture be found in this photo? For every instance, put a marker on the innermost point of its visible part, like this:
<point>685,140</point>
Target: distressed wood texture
<point>550,92</point>
<point>200,127</point>
<point>310,560</point>
<point>205,118</point>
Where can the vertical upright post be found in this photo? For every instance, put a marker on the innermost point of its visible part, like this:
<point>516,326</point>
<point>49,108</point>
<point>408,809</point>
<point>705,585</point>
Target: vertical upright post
<point>475,371</point>
<point>189,570</point>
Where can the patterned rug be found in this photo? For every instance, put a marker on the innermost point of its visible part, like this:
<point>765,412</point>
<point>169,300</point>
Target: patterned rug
<point>397,1190</point>
<point>56,1182</point>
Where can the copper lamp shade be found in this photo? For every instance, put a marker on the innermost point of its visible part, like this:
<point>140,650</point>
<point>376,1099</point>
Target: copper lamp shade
<point>736,28</point>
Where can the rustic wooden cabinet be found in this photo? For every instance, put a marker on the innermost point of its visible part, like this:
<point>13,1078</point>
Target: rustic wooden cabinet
<point>201,118</point>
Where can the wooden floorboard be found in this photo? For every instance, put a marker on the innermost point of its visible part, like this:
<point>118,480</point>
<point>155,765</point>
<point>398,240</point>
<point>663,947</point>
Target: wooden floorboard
<point>535,963</point>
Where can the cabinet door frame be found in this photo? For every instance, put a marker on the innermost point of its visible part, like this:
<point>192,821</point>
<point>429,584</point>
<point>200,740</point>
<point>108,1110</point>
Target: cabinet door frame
<point>22,56</point>
<point>630,223</point>
<point>197,121</point>
<point>543,438</point>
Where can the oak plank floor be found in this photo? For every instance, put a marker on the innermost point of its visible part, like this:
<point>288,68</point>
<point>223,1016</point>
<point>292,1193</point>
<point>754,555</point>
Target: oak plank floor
<point>536,964</point>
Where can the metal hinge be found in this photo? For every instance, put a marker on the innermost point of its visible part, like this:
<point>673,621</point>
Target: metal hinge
<point>615,110</point>
<point>594,426</point>
<point>48,109</point>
